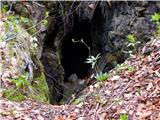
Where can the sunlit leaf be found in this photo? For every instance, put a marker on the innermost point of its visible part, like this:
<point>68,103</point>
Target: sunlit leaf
<point>123,117</point>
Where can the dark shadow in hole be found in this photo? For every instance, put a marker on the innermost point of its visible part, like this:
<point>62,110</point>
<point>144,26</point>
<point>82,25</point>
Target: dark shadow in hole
<point>74,54</point>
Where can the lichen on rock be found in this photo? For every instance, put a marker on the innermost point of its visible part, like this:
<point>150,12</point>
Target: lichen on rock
<point>19,66</point>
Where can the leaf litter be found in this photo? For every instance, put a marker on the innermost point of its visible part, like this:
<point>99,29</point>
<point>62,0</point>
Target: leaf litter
<point>135,94</point>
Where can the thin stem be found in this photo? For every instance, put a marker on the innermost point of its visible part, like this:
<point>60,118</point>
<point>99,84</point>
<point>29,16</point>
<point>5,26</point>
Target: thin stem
<point>81,41</point>
<point>97,68</point>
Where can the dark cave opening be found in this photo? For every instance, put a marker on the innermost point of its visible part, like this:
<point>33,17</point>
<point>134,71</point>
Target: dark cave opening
<point>74,54</point>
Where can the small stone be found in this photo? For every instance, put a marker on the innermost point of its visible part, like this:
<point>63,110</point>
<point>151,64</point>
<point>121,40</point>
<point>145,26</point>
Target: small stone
<point>128,95</point>
<point>73,78</point>
<point>117,77</point>
<point>91,88</point>
<point>39,117</point>
<point>92,6</point>
<point>146,50</point>
<point>2,44</point>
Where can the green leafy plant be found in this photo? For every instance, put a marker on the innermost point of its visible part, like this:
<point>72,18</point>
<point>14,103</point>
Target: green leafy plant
<point>93,60</point>
<point>11,112</point>
<point>131,38</point>
<point>132,41</point>
<point>4,8</point>
<point>20,83</point>
<point>77,101</point>
<point>156,18</point>
<point>21,80</point>
<point>10,24</point>
<point>101,76</point>
<point>11,28</point>
<point>138,92</point>
<point>131,44</point>
<point>123,117</point>
<point>123,66</point>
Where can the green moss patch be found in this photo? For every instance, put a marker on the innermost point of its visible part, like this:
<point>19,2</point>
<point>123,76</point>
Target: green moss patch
<point>13,95</point>
<point>40,88</point>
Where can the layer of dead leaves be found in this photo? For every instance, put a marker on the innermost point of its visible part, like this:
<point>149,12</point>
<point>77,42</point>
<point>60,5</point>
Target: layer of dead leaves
<point>134,93</point>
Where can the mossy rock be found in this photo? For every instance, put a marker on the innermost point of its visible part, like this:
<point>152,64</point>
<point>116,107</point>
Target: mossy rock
<point>39,91</point>
<point>23,51</point>
<point>13,95</point>
<point>40,88</point>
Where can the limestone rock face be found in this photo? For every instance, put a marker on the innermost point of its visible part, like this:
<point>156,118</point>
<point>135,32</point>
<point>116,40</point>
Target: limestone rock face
<point>54,74</point>
<point>109,22</point>
<point>21,70</point>
<point>112,23</point>
<point>103,25</point>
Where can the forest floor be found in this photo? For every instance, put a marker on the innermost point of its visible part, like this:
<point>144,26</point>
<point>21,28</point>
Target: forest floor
<point>131,92</point>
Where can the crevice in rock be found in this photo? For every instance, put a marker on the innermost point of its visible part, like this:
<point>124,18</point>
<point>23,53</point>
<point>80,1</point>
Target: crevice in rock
<point>73,55</point>
<point>104,30</point>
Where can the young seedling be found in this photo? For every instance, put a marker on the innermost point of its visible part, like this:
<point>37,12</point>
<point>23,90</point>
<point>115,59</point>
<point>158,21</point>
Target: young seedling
<point>156,18</point>
<point>93,61</point>
<point>123,66</point>
<point>123,117</point>
<point>101,76</point>
<point>131,44</point>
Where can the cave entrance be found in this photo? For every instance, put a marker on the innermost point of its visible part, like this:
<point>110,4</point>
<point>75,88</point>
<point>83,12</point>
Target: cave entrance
<point>74,54</point>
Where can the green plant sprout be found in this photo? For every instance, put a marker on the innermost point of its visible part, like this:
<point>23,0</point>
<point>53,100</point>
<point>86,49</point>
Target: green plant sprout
<point>93,61</point>
<point>10,25</point>
<point>131,38</point>
<point>123,117</point>
<point>20,82</point>
<point>101,76</point>
<point>123,66</point>
<point>156,18</point>
<point>132,42</point>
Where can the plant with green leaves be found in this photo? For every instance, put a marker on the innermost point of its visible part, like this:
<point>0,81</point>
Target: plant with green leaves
<point>120,67</point>
<point>21,83</point>
<point>10,24</point>
<point>123,116</point>
<point>156,18</point>
<point>132,43</point>
<point>77,101</point>
<point>132,40</point>
<point>101,76</point>
<point>93,61</point>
